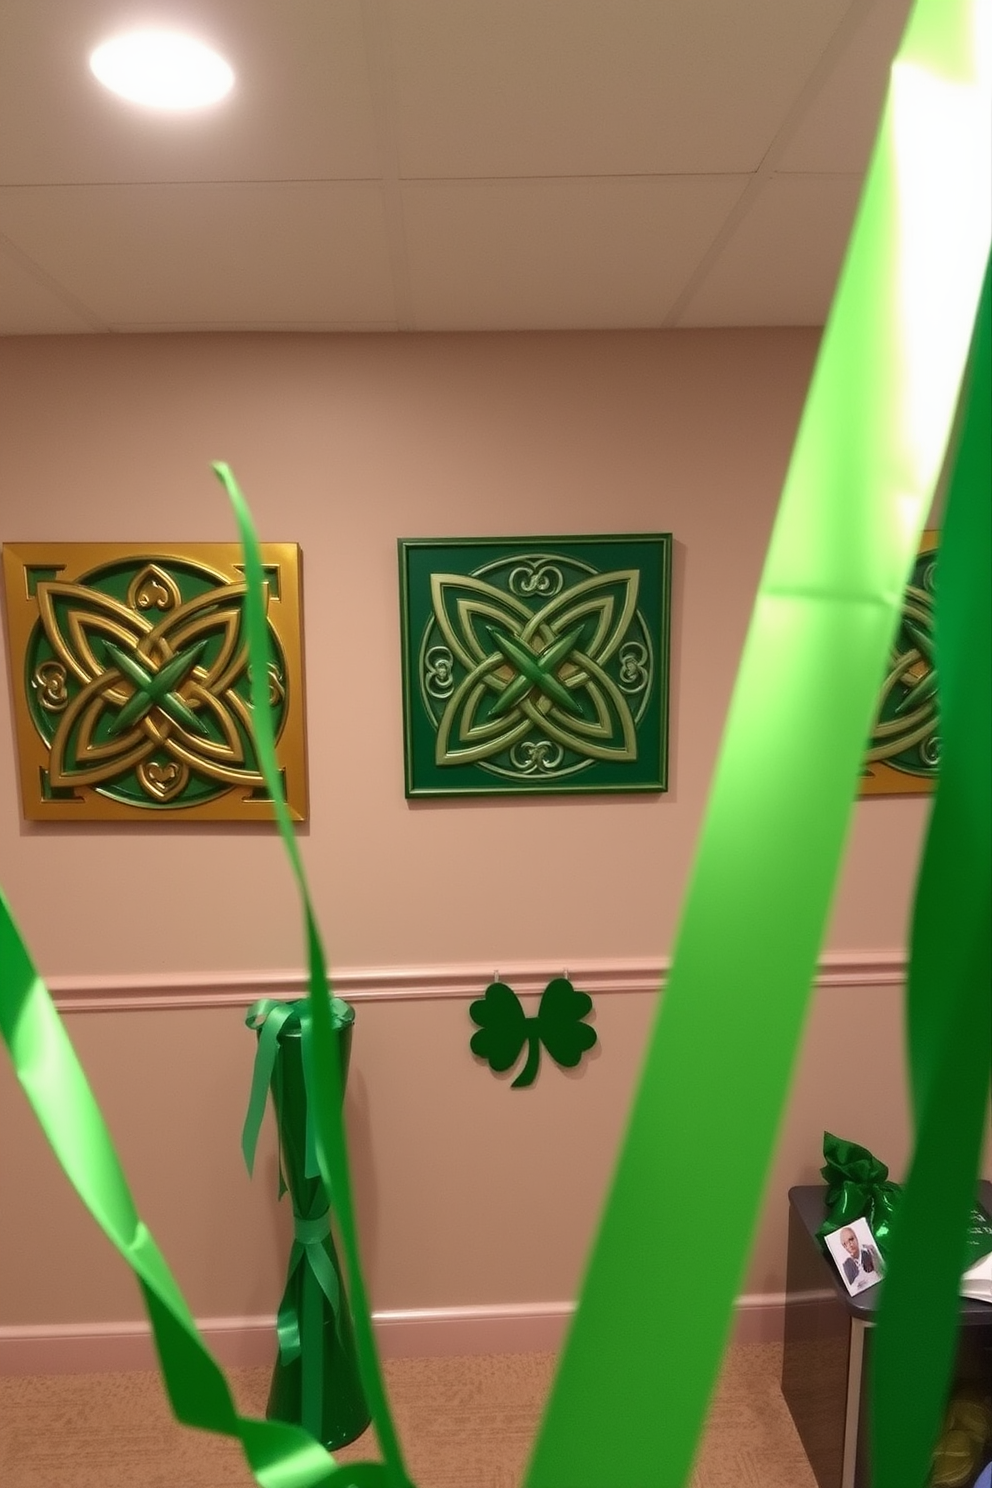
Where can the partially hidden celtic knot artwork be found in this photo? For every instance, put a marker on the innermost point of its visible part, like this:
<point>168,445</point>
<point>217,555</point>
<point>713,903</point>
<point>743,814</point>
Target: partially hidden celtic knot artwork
<point>904,749</point>
<point>131,681</point>
<point>535,665</point>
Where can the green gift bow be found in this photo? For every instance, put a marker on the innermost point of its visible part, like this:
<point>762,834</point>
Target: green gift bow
<point>858,1187</point>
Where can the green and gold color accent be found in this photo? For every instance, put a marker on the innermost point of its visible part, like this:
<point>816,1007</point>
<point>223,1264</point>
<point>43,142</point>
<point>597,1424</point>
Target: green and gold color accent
<point>904,750</point>
<point>131,681</point>
<point>535,664</point>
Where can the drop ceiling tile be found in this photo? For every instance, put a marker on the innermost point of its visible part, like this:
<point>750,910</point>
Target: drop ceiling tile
<point>301,107</point>
<point>515,255</point>
<point>31,306</point>
<point>178,256</point>
<point>781,264</point>
<point>839,126</point>
<point>579,87</point>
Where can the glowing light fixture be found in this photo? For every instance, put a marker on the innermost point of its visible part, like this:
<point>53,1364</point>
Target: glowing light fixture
<point>162,70</point>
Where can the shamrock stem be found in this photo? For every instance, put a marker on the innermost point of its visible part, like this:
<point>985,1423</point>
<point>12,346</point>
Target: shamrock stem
<point>529,1071</point>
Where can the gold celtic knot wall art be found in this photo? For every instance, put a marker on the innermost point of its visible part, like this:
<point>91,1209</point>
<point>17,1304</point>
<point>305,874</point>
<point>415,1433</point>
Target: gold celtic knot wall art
<point>131,681</point>
<point>535,665</point>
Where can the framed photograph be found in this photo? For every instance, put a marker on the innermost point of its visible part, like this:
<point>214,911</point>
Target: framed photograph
<point>535,665</point>
<point>856,1256</point>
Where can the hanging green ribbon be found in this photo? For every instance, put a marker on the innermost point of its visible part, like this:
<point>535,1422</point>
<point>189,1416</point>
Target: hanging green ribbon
<point>321,1063</point>
<point>270,1017</point>
<point>267,1015</point>
<point>644,1347</point>
<point>309,1235</point>
<point>950,979</point>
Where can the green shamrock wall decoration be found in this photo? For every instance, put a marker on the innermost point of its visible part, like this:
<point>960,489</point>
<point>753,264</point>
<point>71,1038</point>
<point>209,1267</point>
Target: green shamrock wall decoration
<point>504,1028</point>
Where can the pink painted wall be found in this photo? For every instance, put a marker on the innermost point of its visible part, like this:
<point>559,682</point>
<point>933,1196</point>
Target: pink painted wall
<point>345,444</point>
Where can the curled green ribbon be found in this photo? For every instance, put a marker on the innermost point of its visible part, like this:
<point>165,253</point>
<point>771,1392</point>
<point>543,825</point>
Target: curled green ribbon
<point>321,1064</point>
<point>643,1347</point>
<point>950,980</point>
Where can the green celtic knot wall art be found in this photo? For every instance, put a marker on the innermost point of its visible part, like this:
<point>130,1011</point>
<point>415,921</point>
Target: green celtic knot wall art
<point>131,681</point>
<point>535,665</point>
<point>904,749</point>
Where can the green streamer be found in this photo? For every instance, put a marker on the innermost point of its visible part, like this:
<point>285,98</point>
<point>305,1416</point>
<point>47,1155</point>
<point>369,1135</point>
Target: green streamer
<point>863,472</point>
<point>280,1456</point>
<point>644,1347</point>
<point>321,1068</point>
<point>950,979</point>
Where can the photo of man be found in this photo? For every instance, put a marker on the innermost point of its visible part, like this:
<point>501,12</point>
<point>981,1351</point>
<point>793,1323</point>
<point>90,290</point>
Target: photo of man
<point>856,1256</point>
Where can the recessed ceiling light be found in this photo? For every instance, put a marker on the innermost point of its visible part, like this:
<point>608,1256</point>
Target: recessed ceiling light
<point>162,69</point>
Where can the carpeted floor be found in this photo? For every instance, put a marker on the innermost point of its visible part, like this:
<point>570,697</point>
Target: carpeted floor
<point>464,1423</point>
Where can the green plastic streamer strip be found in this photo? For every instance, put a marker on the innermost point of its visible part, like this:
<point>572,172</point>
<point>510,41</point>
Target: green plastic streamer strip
<point>322,1071</point>
<point>950,981</point>
<point>280,1456</point>
<point>645,1346</point>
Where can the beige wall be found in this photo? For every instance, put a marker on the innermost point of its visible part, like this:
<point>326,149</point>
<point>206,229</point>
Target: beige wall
<point>468,1193</point>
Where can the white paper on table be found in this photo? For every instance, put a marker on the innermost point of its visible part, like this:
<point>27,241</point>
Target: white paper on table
<point>977,1283</point>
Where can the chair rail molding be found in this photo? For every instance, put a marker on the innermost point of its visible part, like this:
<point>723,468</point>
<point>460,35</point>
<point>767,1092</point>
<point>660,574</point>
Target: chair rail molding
<point>148,991</point>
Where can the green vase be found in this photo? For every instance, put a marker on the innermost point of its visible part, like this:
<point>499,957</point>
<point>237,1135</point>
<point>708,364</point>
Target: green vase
<point>316,1382</point>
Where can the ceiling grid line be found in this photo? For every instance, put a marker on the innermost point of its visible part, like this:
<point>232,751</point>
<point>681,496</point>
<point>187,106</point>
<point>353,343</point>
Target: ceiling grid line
<point>428,165</point>
<point>378,50</point>
<point>838,44</point>
<point>34,271</point>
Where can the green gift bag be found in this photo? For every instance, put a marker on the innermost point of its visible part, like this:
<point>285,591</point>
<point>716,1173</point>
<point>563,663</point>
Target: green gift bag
<point>316,1382</point>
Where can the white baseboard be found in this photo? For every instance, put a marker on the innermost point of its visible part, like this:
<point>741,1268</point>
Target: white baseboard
<point>537,1327</point>
<point>110,1348</point>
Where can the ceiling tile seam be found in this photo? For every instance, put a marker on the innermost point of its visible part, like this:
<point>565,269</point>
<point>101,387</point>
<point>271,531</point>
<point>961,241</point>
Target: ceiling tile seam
<point>633,177</point>
<point>453,181</point>
<point>34,271</point>
<point>257,324</point>
<point>6,186</point>
<point>846,30</point>
<point>379,60</point>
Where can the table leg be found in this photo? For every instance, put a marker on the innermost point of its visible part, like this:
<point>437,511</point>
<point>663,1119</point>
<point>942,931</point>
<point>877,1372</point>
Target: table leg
<point>852,1412</point>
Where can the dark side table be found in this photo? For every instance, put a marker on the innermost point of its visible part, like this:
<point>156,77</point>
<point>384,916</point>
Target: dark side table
<point>828,1342</point>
